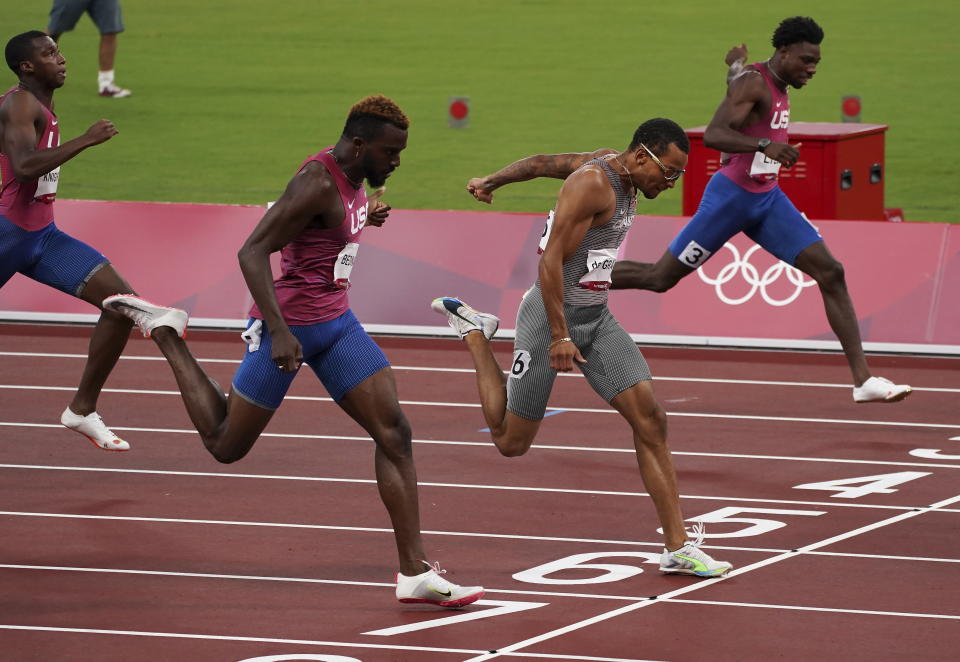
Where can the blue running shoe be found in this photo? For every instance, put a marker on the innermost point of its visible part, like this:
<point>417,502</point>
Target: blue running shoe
<point>463,319</point>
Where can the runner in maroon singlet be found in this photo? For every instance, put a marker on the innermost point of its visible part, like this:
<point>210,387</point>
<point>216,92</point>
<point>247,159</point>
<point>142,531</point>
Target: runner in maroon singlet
<point>303,317</point>
<point>30,242</point>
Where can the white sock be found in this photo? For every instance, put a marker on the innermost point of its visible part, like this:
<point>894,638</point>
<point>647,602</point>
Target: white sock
<point>105,78</point>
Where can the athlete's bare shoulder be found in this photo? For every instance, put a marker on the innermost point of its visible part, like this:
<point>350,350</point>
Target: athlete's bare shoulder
<point>323,193</point>
<point>590,185</point>
<point>748,85</point>
<point>18,104</point>
<point>570,162</point>
<point>316,170</point>
<point>22,122</point>
<point>603,151</point>
<point>590,174</point>
<point>748,74</point>
<point>313,188</point>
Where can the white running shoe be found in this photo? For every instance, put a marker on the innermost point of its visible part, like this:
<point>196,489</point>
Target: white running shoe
<point>879,389</point>
<point>432,588</point>
<point>464,319</point>
<point>114,92</point>
<point>93,428</point>
<point>148,316</point>
<point>691,560</point>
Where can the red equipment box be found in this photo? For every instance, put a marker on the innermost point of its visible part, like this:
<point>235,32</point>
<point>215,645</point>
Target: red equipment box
<point>839,175</point>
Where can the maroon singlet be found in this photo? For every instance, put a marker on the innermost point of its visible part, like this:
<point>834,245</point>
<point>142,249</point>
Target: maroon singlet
<point>30,204</point>
<point>316,264</point>
<point>773,125</point>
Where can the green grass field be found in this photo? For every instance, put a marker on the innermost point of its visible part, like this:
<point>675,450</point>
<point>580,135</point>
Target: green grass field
<point>230,95</point>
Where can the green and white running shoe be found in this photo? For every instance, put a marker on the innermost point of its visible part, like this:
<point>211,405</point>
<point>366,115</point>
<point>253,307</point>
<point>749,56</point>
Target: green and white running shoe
<point>691,560</point>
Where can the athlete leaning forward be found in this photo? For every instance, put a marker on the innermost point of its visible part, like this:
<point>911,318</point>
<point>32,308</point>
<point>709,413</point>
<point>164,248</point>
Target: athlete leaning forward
<point>564,321</point>
<point>304,317</point>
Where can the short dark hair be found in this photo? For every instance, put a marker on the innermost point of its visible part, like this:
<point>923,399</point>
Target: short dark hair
<point>658,134</point>
<point>20,49</point>
<point>367,117</point>
<point>796,30</point>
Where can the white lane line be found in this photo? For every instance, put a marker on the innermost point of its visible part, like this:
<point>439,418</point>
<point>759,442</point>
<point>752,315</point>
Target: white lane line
<point>891,557</point>
<point>218,637</point>
<point>455,534</point>
<point>588,410</point>
<point>469,486</point>
<point>303,642</point>
<point>577,375</point>
<point>498,591</point>
<point>359,529</point>
<point>588,449</point>
<point>297,580</point>
<point>199,575</point>
<point>706,583</point>
<point>872,612</point>
<point>125,357</point>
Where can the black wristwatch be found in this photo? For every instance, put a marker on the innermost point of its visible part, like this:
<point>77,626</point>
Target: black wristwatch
<point>762,144</point>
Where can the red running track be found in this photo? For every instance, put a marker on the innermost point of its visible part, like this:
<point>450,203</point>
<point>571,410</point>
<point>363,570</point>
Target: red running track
<point>163,554</point>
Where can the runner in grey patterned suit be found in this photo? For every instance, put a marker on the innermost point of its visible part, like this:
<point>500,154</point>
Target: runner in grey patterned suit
<point>564,319</point>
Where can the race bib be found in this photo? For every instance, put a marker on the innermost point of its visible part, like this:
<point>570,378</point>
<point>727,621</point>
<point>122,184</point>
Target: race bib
<point>763,167</point>
<point>694,254</point>
<point>344,265</point>
<point>545,237</point>
<point>47,186</point>
<point>599,269</point>
<point>521,363</point>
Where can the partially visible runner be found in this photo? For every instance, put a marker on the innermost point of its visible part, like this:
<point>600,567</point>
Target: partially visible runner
<point>750,127</point>
<point>304,317</point>
<point>564,320</point>
<point>30,242</point>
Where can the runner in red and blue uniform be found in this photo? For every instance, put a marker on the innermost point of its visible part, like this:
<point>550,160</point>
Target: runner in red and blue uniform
<point>30,242</point>
<point>304,317</point>
<point>750,128</point>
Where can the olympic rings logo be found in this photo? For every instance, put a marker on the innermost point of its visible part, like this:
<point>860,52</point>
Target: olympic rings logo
<point>753,278</point>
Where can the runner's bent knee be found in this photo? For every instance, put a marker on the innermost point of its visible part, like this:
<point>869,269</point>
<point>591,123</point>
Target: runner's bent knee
<point>830,276</point>
<point>513,445</point>
<point>396,440</point>
<point>651,429</point>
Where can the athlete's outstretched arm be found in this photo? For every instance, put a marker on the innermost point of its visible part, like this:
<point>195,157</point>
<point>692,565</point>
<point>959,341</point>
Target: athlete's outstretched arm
<point>556,166</point>
<point>19,116</point>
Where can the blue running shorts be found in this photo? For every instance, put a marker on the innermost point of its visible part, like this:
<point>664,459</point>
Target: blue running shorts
<point>339,351</point>
<point>769,218</point>
<point>48,256</point>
